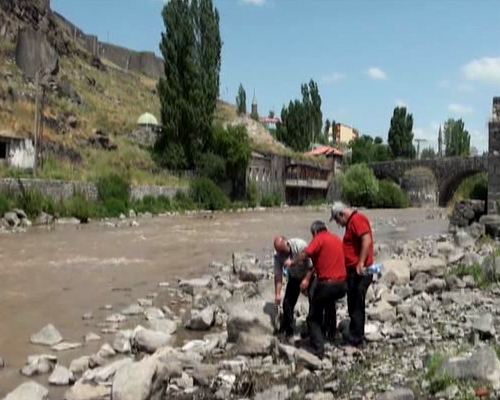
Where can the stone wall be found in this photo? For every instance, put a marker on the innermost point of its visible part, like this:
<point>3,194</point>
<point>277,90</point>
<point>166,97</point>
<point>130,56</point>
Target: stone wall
<point>267,172</point>
<point>494,158</point>
<point>143,62</point>
<point>57,190</point>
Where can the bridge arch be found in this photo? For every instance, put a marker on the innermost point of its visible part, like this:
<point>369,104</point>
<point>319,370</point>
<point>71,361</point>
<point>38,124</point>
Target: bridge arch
<point>450,184</point>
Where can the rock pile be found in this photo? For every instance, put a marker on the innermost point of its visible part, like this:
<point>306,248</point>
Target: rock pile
<point>431,328</point>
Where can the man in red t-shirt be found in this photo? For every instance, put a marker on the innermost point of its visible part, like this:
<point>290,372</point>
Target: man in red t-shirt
<point>358,251</point>
<point>327,254</point>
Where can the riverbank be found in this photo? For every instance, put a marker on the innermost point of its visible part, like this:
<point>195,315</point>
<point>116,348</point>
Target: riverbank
<point>59,276</point>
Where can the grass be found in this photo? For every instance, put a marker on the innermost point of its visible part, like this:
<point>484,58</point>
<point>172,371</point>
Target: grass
<point>481,278</point>
<point>473,187</point>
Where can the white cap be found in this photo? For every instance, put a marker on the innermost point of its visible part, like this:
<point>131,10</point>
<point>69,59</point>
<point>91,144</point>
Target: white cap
<point>337,208</point>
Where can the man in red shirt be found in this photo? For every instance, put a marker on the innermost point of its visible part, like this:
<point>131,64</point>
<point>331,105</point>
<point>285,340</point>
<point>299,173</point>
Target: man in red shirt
<point>358,251</point>
<point>326,252</point>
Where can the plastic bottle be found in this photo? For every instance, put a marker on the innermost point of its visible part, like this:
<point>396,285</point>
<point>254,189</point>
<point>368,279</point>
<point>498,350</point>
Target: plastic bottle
<point>286,272</point>
<point>374,269</point>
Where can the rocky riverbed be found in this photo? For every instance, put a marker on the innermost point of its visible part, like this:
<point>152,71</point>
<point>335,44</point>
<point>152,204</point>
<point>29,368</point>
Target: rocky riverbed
<point>211,336</point>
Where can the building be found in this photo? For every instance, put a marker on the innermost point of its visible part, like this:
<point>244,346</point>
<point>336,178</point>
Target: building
<point>333,157</point>
<point>343,133</point>
<point>148,122</point>
<point>16,151</point>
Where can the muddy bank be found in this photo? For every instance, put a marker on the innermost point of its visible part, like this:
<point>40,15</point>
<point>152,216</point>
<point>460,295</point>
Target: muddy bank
<point>58,276</point>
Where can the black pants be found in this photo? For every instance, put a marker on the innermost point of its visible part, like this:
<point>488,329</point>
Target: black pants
<point>291,296</point>
<point>357,285</point>
<point>323,303</point>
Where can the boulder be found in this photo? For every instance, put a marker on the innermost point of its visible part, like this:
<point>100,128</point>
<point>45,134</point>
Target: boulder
<point>39,364</point>
<point>484,325</point>
<point>242,261</point>
<point>28,391</point>
<point>320,396</point>
<point>251,344</point>
<point>280,392</point>
<point>85,391</point>
<point>482,365</point>
<point>396,272</point>
<point>435,285</point>
<point>106,351</point>
<point>123,341</point>
<point>419,283</point>
<point>431,265</point>
<point>104,374</point>
<point>137,381</point>
<point>44,219</point>
<point>491,223</point>
<point>194,286</point>
<point>163,325</point>
<point>150,341</point>
<point>80,365</point>
<point>153,313</point>
<point>307,359</point>
<point>382,312</point>
<point>133,309</point>
<point>201,320</point>
<point>34,52</point>
<point>397,394</point>
<point>63,346</point>
<point>12,219</point>
<point>463,239</point>
<point>254,317</point>
<point>61,376</point>
<point>90,337</point>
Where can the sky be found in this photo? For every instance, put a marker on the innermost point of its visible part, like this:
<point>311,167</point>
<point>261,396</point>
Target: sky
<point>439,58</point>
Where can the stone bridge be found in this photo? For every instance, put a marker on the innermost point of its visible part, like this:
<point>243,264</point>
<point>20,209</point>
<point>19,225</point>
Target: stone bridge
<point>448,172</point>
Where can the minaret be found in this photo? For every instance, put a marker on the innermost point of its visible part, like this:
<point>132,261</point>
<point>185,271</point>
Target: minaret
<point>254,105</point>
<point>440,143</point>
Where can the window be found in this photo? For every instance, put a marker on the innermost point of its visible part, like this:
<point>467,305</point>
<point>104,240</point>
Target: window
<point>3,151</point>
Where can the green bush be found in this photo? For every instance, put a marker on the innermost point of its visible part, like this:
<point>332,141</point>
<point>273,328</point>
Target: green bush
<point>81,208</point>
<point>211,166</point>
<point>114,207</point>
<point>253,195</point>
<point>182,201</point>
<point>271,200</point>
<point>473,187</point>
<point>154,205</point>
<point>208,195</point>
<point>114,187</point>
<point>390,195</point>
<point>5,205</point>
<point>359,186</point>
<point>32,202</point>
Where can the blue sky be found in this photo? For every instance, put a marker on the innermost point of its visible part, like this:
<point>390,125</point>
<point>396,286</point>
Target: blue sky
<point>440,58</point>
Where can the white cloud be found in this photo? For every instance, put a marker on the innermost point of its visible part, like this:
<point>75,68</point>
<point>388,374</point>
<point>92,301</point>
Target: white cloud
<point>333,77</point>
<point>443,83</point>
<point>460,109</point>
<point>486,69</point>
<point>465,88</point>
<point>376,73</point>
<point>255,2</point>
<point>401,103</point>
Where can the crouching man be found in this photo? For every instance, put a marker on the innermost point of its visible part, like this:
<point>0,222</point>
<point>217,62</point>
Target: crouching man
<point>288,249</point>
<point>327,255</point>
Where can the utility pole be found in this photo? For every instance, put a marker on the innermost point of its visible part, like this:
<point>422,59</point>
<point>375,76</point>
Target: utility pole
<point>37,83</point>
<point>418,146</point>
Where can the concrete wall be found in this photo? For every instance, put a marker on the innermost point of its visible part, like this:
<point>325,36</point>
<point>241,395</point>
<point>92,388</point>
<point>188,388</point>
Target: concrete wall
<point>57,190</point>
<point>21,153</point>
<point>494,158</point>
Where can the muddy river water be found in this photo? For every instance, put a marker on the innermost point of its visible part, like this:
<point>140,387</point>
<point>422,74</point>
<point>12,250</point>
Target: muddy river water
<point>57,276</point>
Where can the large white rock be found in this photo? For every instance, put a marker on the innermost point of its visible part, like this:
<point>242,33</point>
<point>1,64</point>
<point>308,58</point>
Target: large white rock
<point>382,312</point>
<point>431,265</point>
<point>61,376</point>
<point>396,272</point>
<point>150,341</point>
<point>252,317</point>
<point>28,391</point>
<point>135,381</point>
<point>85,391</point>
<point>47,336</point>
<point>201,320</point>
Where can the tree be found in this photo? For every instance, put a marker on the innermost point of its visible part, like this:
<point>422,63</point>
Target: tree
<point>302,120</point>
<point>241,101</point>
<point>428,153</point>
<point>191,47</point>
<point>400,137</point>
<point>333,124</point>
<point>366,150</point>
<point>271,114</point>
<point>327,127</point>
<point>456,138</point>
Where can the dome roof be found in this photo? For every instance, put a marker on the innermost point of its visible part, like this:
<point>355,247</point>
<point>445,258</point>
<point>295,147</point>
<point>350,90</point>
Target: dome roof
<point>147,119</point>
